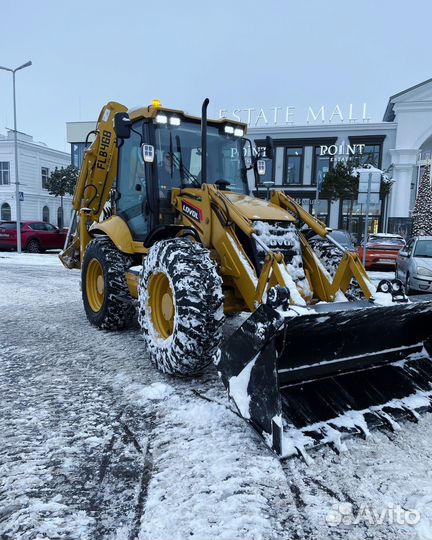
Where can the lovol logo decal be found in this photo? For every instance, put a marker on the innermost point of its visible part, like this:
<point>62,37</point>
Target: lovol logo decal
<point>192,211</point>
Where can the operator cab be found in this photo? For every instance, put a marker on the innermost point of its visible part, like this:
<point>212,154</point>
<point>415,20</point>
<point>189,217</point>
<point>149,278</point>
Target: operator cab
<point>160,150</point>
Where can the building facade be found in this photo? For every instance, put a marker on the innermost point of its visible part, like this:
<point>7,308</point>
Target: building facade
<point>35,163</point>
<point>400,145</point>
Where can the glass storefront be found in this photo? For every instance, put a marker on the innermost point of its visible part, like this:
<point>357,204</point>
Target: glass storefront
<point>294,160</point>
<point>371,155</point>
<point>352,218</point>
<point>321,166</point>
<point>309,202</point>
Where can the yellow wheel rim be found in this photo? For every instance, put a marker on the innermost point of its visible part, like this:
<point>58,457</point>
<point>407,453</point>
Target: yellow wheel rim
<point>95,285</point>
<point>161,301</point>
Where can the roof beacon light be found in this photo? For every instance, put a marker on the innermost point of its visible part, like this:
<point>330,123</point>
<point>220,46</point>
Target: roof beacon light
<point>161,119</point>
<point>238,132</point>
<point>157,104</point>
<point>229,129</point>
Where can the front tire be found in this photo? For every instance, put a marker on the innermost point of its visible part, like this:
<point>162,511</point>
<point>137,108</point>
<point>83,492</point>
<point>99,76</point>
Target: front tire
<point>181,306</point>
<point>107,301</point>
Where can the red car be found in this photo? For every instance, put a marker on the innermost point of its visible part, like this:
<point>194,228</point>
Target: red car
<point>36,236</point>
<point>382,249</point>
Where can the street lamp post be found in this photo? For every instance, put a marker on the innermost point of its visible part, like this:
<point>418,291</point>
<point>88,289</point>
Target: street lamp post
<point>17,191</point>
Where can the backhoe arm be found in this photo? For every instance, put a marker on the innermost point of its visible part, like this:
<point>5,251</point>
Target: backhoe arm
<point>95,181</point>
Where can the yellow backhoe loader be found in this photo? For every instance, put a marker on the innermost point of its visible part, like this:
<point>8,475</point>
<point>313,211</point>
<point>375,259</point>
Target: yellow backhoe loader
<point>164,227</point>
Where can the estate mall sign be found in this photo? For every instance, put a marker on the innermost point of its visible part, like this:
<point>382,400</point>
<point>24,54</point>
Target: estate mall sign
<point>287,115</point>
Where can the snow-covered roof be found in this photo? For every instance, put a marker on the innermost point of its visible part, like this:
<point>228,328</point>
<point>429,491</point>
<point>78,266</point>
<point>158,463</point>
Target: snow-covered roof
<point>385,235</point>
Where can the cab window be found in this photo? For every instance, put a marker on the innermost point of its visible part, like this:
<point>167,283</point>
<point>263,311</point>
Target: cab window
<point>132,188</point>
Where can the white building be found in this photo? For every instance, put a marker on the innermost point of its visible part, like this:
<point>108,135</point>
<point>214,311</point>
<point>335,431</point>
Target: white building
<point>35,163</point>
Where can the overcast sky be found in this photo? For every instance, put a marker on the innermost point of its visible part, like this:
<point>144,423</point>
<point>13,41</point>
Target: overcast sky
<point>240,54</point>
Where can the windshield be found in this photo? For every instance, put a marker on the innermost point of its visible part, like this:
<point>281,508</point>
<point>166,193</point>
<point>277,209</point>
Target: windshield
<point>386,240</point>
<point>343,238</point>
<point>178,155</point>
<point>423,249</point>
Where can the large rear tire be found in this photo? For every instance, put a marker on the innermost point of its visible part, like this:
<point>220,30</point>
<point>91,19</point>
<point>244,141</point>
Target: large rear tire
<point>107,301</point>
<point>180,306</point>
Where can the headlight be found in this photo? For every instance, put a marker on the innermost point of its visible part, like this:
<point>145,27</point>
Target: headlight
<point>174,121</point>
<point>422,271</point>
<point>238,132</point>
<point>161,119</point>
<point>229,130</point>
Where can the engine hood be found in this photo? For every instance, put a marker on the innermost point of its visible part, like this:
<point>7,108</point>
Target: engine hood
<point>426,262</point>
<point>256,209</point>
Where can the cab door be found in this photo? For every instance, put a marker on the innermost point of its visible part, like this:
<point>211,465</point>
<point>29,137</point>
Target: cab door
<point>134,186</point>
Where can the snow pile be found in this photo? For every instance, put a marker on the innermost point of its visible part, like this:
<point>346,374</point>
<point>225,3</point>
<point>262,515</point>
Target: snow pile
<point>383,299</point>
<point>283,237</point>
<point>30,259</point>
<point>151,392</point>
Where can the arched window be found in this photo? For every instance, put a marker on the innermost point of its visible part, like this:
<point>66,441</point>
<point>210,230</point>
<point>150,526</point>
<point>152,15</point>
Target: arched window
<point>60,217</point>
<point>6,214</point>
<point>45,214</point>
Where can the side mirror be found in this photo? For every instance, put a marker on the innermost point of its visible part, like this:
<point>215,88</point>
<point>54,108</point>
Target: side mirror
<point>122,125</point>
<point>148,153</point>
<point>403,253</point>
<point>261,167</point>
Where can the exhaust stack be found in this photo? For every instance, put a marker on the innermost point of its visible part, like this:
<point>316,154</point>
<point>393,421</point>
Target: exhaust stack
<point>204,141</point>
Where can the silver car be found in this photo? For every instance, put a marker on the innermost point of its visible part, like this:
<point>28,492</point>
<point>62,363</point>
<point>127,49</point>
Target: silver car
<point>414,264</point>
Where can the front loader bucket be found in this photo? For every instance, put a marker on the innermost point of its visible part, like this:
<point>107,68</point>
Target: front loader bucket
<point>307,377</point>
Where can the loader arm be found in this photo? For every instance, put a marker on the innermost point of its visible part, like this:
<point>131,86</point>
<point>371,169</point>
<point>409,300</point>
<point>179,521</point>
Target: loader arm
<point>350,265</point>
<point>221,234</point>
<point>95,181</point>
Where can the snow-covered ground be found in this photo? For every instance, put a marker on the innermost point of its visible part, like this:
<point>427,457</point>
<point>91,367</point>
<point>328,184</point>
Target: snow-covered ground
<point>32,259</point>
<point>96,444</point>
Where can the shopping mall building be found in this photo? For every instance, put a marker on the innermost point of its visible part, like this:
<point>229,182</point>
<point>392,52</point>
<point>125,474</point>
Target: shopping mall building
<point>306,148</point>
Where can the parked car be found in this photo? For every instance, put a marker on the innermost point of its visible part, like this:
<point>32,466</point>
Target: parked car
<point>414,264</point>
<point>382,249</point>
<point>341,236</point>
<point>36,236</point>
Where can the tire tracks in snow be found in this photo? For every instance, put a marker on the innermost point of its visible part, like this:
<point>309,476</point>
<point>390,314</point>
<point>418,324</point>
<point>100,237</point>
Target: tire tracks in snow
<point>121,494</point>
